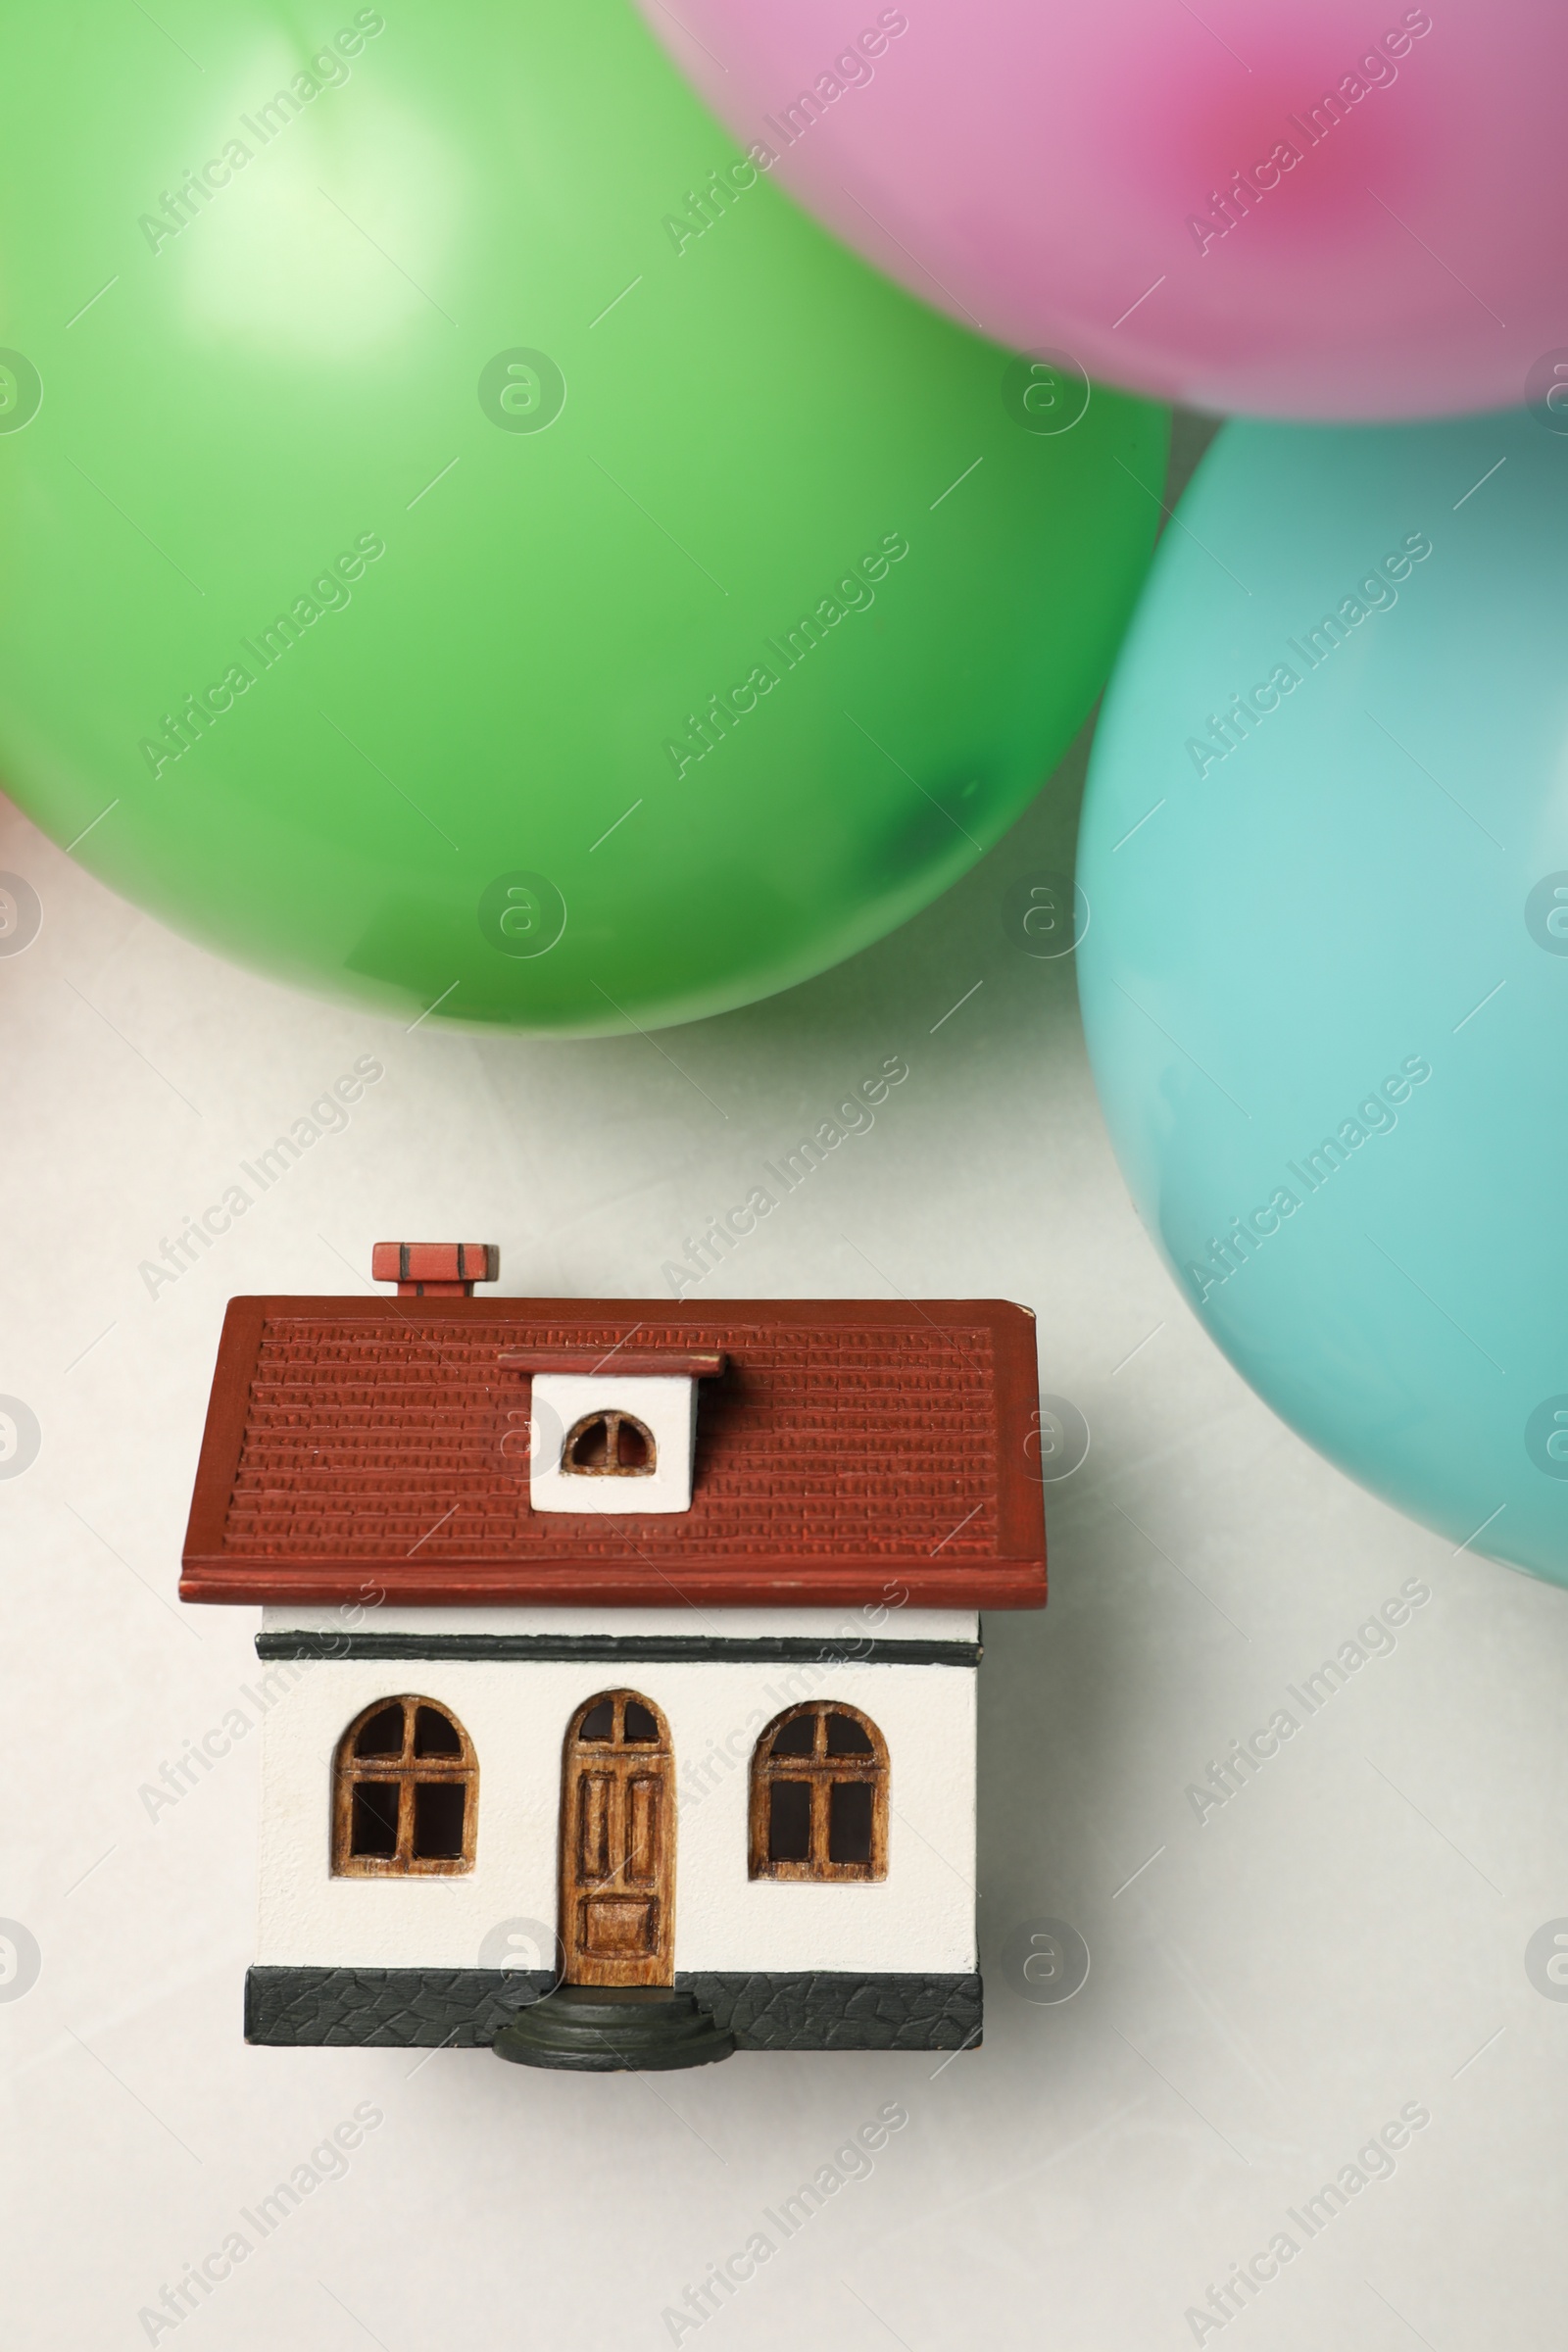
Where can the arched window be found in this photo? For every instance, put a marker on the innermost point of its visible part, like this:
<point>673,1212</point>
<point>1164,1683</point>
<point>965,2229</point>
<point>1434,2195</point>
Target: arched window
<point>405,1794</point>
<point>819,1796</point>
<point>609,1445</point>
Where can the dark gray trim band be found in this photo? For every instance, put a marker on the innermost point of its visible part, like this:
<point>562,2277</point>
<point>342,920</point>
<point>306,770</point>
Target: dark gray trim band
<point>464,2008</point>
<point>666,1649</point>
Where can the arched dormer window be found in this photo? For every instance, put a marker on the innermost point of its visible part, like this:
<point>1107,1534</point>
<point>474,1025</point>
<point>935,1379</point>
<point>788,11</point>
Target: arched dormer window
<point>819,1796</point>
<point>405,1793</point>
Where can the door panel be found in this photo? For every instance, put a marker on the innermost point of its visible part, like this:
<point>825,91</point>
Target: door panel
<point>618,1860</point>
<point>642,1829</point>
<point>617,1927</point>
<point>593,1816</point>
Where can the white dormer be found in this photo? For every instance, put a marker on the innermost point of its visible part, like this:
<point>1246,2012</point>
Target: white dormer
<point>611,1444</point>
<point>613,1433</point>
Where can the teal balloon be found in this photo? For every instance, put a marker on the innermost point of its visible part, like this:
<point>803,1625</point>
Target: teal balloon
<point>1325,983</point>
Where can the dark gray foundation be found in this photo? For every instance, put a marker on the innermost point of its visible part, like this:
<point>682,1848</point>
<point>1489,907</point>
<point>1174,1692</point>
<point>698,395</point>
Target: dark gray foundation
<point>464,2008</point>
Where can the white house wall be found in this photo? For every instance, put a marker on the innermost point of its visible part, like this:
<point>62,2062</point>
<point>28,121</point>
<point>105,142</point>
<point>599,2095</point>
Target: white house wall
<point>849,1623</point>
<point>921,1917</point>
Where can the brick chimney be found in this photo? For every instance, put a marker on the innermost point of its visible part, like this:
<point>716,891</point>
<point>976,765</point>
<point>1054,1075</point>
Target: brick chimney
<point>435,1269</point>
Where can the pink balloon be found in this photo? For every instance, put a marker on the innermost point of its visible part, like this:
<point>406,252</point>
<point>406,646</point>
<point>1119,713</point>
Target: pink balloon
<point>1331,209</point>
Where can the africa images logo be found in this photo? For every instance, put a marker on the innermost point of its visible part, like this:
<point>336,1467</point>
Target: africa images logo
<point>328,69</point>
<point>1375,1114</point>
<point>181,729</point>
<point>1229,729</point>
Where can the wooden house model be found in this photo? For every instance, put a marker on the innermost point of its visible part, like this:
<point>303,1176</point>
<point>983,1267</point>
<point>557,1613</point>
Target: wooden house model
<point>618,1659</point>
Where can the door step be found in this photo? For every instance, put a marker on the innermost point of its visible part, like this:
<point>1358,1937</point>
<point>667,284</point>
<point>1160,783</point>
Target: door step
<point>615,2029</point>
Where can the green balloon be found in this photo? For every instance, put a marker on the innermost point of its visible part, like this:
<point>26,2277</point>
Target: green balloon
<point>470,544</point>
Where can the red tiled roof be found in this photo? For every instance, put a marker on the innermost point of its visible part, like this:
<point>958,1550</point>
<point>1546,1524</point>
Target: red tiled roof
<point>848,1446</point>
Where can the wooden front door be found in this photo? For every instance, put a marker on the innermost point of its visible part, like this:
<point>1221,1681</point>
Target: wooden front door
<point>617,1843</point>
